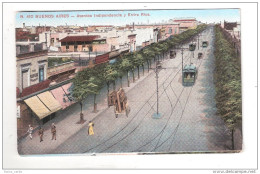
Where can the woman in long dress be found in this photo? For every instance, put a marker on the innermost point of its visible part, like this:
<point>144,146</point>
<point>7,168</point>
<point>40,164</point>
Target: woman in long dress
<point>90,128</point>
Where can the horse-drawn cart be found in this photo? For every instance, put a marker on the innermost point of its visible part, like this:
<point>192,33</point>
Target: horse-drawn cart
<point>119,100</point>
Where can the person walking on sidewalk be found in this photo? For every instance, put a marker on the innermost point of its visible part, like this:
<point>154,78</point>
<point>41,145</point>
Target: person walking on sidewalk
<point>90,128</point>
<point>53,131</point>
<point>30,131</point>
<point>41,134</point>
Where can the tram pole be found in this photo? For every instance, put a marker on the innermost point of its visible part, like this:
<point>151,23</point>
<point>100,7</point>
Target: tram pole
<point>198,42</point>
<point>157,114</point>
<point>182,59</point>
<point>157,90</point>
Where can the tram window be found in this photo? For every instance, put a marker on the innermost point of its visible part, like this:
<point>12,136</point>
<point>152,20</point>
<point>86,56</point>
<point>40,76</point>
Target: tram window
<point>189,77</point>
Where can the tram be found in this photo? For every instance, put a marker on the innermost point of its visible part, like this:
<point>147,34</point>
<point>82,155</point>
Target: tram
<point>200,55</point>
<point>192,46</point>
<point>189,75</point>
<point>172,54</point>
<point>205,44</point>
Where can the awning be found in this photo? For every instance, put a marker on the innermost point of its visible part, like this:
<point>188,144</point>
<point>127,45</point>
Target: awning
<point>50,102</point>
<point>62,95</point>
<point>43,104</point>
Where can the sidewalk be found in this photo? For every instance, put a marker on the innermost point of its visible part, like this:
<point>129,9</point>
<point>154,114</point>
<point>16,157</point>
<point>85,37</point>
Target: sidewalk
<point>66,120</point>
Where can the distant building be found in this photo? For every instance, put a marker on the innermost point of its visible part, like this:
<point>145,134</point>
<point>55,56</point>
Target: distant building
<point>90,43</point>
<point>230,25</point>
<point>185,23</point>
<point>164,30</point>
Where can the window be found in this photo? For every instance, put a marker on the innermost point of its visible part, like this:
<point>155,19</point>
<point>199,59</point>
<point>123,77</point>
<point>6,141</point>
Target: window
<point>170,30</point>
<point>41,74</point>
<point>75,48</point>
<point>25,78</point>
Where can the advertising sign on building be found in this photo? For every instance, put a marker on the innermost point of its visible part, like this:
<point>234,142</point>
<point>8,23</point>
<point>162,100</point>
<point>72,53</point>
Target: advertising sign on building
<point>18,115</point>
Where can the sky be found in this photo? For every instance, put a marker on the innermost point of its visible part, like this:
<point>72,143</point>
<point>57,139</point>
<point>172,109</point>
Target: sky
<point>123,17</point>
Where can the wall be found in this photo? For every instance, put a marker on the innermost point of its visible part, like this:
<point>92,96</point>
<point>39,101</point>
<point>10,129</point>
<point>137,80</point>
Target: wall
<point>33,69</point>
<point>143,35</point>
<point>59,68</point>
<point>26,118</point>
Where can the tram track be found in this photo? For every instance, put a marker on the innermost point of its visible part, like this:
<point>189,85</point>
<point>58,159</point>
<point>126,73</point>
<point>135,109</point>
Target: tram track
<point>186,59</point>
<point>162,131</point>
<point>176,129</point>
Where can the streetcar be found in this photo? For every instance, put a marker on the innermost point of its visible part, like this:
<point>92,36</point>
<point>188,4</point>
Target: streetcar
<point>200,55</point>
<point>172,54</point>
<point>189,75</point>
<point>205,44</point>
<point>192,46</point>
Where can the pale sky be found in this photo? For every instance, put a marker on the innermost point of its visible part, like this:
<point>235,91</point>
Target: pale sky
<point>122,18</point>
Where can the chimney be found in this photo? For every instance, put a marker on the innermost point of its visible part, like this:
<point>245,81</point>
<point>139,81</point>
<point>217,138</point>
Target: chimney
<point>133,26</point>
<point>46,38</point>
<point>23,25</point>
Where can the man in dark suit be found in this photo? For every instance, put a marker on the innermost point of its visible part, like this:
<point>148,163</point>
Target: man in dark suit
<point>40,134</point>
<point>53,131</point>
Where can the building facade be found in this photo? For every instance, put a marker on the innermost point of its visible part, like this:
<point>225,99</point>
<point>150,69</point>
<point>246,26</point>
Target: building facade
<point>31,64</point>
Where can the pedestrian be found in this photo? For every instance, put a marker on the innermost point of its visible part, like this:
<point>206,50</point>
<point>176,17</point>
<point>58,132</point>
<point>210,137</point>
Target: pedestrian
<point>53,131</point>
<point>30,131</point>
<point>41,134</point>
<point>90,128</point>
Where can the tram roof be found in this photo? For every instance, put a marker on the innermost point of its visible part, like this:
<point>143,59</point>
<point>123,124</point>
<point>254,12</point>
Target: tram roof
<point>189,68</point>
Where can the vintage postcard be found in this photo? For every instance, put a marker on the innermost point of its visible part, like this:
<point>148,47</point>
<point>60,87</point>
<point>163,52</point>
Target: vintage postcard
<point>128,81</point>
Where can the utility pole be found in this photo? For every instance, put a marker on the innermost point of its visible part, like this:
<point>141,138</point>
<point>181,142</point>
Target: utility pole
<point>198,41</point>
<point>156,69</point>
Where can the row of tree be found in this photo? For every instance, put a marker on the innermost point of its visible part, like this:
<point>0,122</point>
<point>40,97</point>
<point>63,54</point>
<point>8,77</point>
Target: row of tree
<point>91,80</point>
<point>228,83</point>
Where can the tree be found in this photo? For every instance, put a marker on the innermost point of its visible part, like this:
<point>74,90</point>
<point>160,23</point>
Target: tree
<point>227,79</point>
<point>126,66</point>
<point>120,71</point>
<point>148,55</point>
<point>110,75</point>
<point>138,61</point>
<point>80,92</point>
<point>94,85</point>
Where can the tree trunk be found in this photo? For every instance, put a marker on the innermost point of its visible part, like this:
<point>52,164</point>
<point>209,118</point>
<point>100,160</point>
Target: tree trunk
<point>143,69</point>
<point>138,72</point>
<point>148,65</point>
<point>232,134</point>
<point>163,56</point>
<point>108,94</point>
<point>128,84</point>
<point>114,85</point>
<point>95,104</point>
<point>133,72</point>
<point>121,82</point>
<point>81,114</point>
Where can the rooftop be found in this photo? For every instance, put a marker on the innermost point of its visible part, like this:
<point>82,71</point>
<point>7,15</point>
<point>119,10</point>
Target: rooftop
<point>79,38</point>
